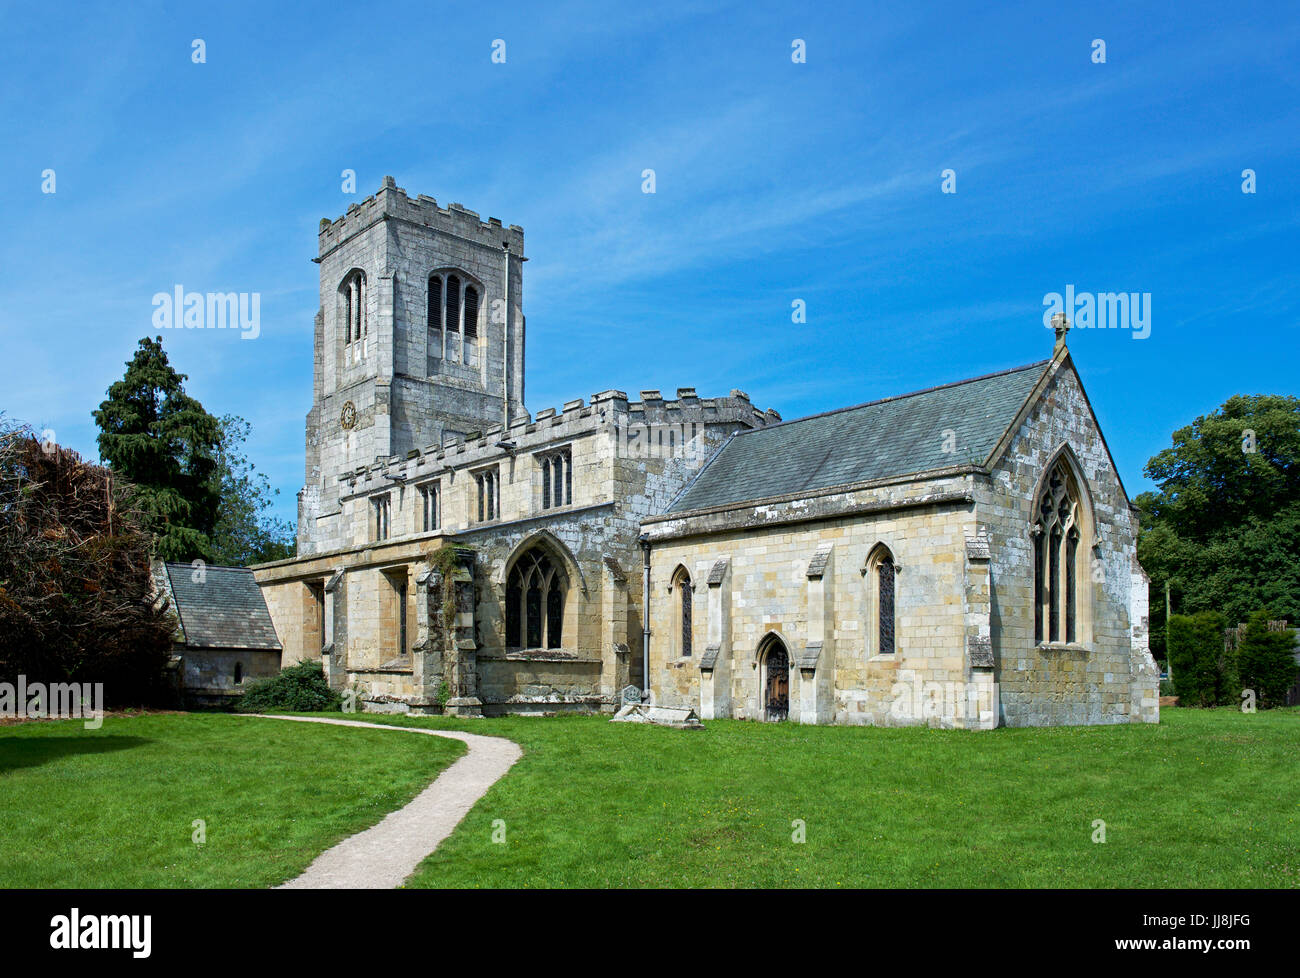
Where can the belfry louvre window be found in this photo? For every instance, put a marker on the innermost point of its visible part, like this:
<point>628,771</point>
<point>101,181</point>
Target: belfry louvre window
<point>435,302</point>
<point>489,495</point>
<point>535,592</point>
<point>471,312</point>
<point>1056,539</point>
<point>557,478</point>
<point>382,508</point>
<point>430,500</point>
<point>452,317</point>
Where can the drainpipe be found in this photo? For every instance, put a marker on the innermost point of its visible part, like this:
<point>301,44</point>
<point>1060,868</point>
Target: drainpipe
<point>644,540</point>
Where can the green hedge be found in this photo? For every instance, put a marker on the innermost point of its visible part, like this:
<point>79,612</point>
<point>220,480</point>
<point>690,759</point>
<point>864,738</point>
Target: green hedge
<point>301,687</point>
<point>1266,661</point>
<point>1204,674</point>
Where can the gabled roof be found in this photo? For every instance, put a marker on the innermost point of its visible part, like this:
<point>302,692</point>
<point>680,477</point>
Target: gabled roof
<point>223,609</point>
<point>955,424</point>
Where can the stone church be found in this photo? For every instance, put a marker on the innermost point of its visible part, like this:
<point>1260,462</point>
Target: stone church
<point>961,556</point>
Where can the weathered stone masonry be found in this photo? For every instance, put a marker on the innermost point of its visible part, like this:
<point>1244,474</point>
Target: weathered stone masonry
<point>877,565</point>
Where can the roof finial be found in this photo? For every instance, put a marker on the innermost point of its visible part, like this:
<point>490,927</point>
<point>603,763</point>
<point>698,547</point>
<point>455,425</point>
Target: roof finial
<point>1062,326</point>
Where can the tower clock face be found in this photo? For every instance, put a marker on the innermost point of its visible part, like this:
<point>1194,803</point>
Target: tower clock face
<point>348,419</point>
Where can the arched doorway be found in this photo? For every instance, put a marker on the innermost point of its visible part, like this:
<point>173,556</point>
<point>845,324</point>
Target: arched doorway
<point>775,690</point>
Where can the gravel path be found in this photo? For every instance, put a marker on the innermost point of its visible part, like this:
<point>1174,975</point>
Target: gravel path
<point>383,856</point>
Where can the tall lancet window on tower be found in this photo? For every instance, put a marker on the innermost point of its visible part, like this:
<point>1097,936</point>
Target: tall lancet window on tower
<point>1056,538</point>
<point>352,311</point>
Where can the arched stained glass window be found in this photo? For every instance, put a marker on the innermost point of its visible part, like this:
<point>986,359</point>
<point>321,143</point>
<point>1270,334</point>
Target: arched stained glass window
<point>1056,540</point>
<point>535,593</point>
<point>885,604</point>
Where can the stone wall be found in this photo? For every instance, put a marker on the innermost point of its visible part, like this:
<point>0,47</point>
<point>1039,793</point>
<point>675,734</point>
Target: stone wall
<point>807,582</point>
<point>208,675</point>
<point>628,458</point>
<point>403,391</point>
<point>799,569</point>
<point>1099,678</point>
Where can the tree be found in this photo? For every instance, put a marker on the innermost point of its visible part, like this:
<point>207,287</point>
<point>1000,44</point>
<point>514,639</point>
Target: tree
<point>77,601</point>
<point>1204,669</point>
<point>245,533</point>
<point>1266,660</point>
<point>1224,529</point>
<point>157,437</point>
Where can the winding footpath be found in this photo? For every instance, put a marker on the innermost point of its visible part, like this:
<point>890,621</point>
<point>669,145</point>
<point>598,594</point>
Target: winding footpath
<point>383,856</point>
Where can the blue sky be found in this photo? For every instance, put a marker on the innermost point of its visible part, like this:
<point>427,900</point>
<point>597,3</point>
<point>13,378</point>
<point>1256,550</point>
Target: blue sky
<point>775,181</point>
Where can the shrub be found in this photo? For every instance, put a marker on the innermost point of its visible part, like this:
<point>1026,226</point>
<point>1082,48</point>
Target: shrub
<point>301,687</point>
<point>1266,660</point>
<point>76,593</point>
<point>1203,671</point>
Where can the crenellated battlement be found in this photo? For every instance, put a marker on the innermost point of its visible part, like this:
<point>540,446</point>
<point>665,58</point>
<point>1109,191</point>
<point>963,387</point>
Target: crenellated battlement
<point>528,434</point>
<point>391,202</point>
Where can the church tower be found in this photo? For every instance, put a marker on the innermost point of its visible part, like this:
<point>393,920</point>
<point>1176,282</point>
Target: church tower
<point>419,340</point>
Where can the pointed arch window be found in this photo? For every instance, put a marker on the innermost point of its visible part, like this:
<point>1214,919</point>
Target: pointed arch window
<point>684,592</point>
<point>453,307</point>
<point>352,306</point>
<point>881,574</point>
<point>1056,534</point>
<point>535,593</point>
<point>885,602</point>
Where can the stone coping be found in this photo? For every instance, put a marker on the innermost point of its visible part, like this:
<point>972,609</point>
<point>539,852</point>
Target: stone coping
<point>548,655</point>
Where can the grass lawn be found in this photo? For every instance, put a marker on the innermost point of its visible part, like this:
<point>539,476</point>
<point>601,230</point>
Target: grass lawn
<point>114,807</point>
<point>1205,799</point>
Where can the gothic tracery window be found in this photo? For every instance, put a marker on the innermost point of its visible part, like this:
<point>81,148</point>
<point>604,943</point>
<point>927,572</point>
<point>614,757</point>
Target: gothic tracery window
<point>1056,538</point>
<point>535,593</point>
<point>452,317</point>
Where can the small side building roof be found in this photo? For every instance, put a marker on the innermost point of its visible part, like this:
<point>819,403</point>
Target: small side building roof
<point>221,608</point>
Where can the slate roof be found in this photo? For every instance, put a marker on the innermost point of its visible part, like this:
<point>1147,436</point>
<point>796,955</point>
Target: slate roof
<point>895,436</point>
<point>225,611</point>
